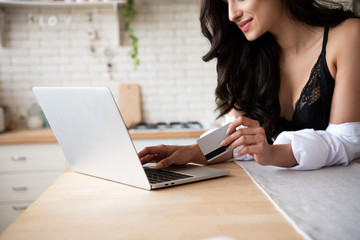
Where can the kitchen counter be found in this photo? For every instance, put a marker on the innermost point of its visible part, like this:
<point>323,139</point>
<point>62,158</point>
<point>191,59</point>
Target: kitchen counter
<point>46,136</point>
<point>79,206</point>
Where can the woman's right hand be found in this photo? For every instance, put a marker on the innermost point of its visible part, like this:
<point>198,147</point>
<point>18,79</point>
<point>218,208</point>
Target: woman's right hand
<point>166,155</point>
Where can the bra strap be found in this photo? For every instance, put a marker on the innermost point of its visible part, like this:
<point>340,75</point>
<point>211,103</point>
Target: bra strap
<point>326,33</point>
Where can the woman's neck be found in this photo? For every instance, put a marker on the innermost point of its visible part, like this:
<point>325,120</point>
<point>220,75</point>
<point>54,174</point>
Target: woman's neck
<point>295,37</point>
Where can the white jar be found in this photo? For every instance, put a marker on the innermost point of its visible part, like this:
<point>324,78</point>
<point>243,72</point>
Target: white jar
<point>35,122</point>
<point>35,118</point>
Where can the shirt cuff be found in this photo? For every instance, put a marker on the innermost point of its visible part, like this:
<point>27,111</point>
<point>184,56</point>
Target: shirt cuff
<point>338,145</point>
<point>310,150</point>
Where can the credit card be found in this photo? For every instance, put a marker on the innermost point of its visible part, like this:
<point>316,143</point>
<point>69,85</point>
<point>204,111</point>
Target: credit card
<point>210,143</point>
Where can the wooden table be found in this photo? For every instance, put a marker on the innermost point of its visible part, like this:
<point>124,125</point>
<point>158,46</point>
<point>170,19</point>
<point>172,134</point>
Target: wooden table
<point>78,206</point>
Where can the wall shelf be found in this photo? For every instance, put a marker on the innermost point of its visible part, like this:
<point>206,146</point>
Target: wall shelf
<point>25,3</point>
<point>116,5</point>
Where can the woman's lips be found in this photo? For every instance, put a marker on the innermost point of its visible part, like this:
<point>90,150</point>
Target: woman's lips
<point>245,25</point>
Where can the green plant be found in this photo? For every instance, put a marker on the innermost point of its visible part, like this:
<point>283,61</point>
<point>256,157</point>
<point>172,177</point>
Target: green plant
<point>128,13</point>
<point>218,102</point>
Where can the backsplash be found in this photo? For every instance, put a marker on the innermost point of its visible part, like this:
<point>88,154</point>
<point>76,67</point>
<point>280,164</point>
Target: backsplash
<point>72,46</point>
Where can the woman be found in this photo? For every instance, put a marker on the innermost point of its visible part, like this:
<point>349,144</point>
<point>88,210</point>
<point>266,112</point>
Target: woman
<point>266,50</point>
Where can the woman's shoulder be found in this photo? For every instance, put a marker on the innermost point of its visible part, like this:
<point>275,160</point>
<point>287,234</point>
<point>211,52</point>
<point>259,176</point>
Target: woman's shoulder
<point>349,28</point>
<point>343,42</point>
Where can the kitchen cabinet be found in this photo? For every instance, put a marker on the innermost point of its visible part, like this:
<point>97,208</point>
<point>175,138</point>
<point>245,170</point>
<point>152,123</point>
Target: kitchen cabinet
<point>26,170</point>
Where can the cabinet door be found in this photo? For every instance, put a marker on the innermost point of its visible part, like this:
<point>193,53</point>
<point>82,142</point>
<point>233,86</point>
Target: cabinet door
<point>31,157</point>
<point>25,187</point>
<point>9,212</point>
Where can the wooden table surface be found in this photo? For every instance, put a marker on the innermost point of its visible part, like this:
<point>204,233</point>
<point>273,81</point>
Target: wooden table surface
<point>78,206</point>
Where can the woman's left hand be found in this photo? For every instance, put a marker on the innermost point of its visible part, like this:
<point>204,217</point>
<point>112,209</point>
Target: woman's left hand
<point>252,138</point>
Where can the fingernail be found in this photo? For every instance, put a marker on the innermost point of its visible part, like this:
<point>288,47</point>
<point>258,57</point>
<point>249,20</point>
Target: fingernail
<point>228,148</point>
<point>227,131</point>
<point>222,143</point>
<point>158,166</point>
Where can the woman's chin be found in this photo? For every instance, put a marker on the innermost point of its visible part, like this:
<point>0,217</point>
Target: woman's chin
<point>251,36</point>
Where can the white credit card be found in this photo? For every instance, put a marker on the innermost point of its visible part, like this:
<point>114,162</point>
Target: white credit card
<point>210,143</point>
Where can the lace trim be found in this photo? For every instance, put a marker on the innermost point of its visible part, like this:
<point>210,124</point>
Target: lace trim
<point>311,91</point>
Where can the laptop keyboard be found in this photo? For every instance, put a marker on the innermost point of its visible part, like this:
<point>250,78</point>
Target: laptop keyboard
<point>158,176</point>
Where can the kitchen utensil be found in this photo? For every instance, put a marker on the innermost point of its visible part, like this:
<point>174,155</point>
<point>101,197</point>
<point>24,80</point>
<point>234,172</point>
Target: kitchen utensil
<point>130,104</point>
<point>2,120</point>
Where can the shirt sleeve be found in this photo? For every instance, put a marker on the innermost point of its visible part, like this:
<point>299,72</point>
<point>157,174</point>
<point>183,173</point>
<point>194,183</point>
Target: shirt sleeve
<point>339,144</point>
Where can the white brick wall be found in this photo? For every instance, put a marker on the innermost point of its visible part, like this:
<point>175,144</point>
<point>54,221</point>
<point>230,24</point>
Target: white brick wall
<point>176,84</point>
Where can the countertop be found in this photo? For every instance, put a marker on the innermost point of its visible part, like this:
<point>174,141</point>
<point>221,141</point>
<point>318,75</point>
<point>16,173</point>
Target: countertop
<point>46,135</point>
<point>79,206</point>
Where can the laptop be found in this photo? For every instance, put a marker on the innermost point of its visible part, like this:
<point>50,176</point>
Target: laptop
<point>92,134</point>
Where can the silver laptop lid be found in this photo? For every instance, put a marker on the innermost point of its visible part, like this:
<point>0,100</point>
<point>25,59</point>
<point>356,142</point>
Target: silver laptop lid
<point>102,135</point>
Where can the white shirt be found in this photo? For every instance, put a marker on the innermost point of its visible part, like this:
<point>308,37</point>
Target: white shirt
<point>339,144</point>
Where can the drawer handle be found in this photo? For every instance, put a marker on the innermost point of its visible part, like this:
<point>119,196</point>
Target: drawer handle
<point>19,188</point>
<point>20,207</point>
<point>18,158</point>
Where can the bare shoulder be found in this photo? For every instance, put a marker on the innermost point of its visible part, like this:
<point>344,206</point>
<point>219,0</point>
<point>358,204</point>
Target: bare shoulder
<point>343,43</point>
<point>343,57</point>
<point>348,30</point>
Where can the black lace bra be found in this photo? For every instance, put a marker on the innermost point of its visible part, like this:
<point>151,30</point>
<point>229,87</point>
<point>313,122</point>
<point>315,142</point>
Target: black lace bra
<point>312,110</point>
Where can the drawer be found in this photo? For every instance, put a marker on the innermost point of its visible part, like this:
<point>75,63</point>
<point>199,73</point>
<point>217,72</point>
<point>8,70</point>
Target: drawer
<point>25,187</point>
<point>10,212</point>
<point>31,157</point>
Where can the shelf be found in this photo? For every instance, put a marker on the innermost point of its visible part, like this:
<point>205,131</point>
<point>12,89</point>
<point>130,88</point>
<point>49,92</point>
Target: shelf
<point>115,4</point>
<point>19,3</point>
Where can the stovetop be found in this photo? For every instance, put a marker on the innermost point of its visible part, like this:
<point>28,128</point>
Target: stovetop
<point>164,126</point>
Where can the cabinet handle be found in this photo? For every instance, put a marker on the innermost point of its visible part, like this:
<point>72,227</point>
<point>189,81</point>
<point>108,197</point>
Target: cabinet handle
<point>18,158</point>
<point>20,207</point>
<point>19,188</point>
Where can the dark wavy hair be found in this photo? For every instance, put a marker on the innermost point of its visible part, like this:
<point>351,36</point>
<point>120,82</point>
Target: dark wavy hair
<point>248,71</point>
